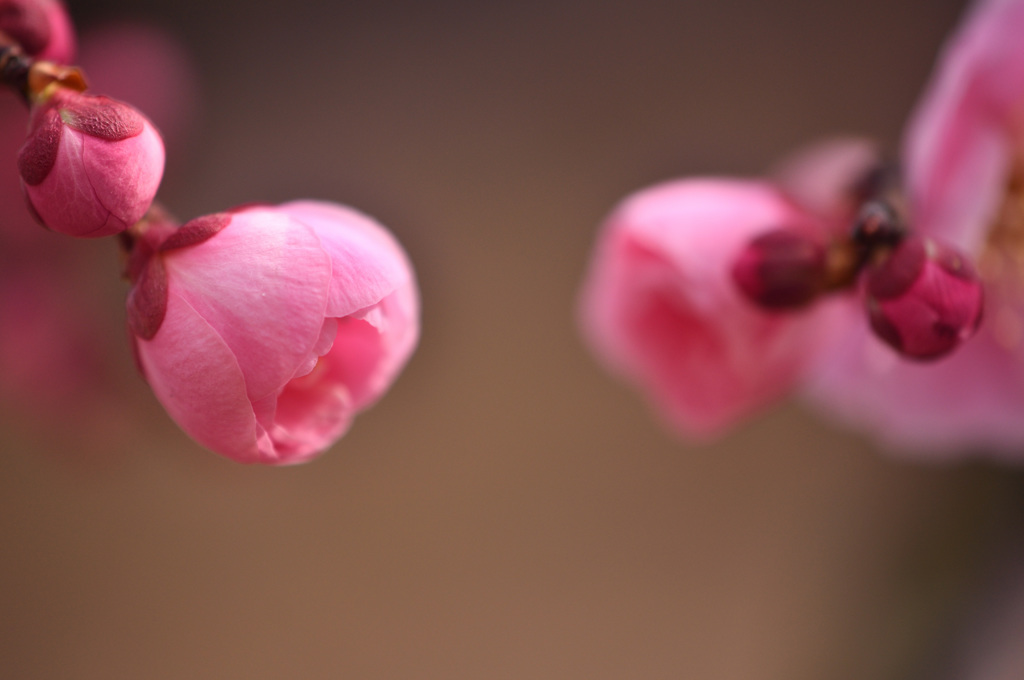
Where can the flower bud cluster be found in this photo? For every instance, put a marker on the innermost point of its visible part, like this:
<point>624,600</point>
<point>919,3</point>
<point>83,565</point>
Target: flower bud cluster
<point>262,330</point>
<point>922,297</point>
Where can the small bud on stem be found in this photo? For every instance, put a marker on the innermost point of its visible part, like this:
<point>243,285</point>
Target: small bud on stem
<point>924,299</point>
<point>781,269</point>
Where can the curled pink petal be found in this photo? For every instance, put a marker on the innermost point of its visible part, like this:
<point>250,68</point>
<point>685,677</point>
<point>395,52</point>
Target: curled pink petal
<point>368,262</point>
<point>262,283</point>
<point>194,374</point>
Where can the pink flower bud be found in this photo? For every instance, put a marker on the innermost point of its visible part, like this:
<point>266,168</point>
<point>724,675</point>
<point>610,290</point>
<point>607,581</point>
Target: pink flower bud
<point>781,269</point>
<point>91,165</point>
<point>924,299</point>
<point>41,28</point>
<point>264,331</point>
<point>661,307</point>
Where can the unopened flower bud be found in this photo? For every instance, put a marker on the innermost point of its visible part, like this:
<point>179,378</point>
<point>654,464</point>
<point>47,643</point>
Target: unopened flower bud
<point>924,299</point>
<point>781,269</point>
<point>41,28</point>
<point>91,165</point>
<point>266,329</point>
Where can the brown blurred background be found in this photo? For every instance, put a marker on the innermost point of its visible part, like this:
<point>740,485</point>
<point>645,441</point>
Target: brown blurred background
<point>508,511</point>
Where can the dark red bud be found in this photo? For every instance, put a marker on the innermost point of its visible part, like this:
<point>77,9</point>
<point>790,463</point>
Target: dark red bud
<point>924,299</point>
<point>781,269</point>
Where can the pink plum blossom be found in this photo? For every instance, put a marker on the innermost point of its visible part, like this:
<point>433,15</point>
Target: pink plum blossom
<point>91,166</point>
<point>660,306</point>
<point>964,173</point>
<point>42,28</point>
<point>263,331</point>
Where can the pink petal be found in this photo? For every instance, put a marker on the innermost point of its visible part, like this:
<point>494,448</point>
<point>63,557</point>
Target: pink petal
<point>97,187</point>
<point>125,175</point>
<point>66,200</point>
<point>969,402</point>
<point>313,411</point>
<point>378,342</point>
<point>961,137</point>
<point>262,284</point>
<point>195,376</point>
<point>368,263</point>
<point>362,356</point>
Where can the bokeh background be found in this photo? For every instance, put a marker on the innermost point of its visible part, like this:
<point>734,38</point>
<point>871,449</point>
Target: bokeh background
<point>508,511</point>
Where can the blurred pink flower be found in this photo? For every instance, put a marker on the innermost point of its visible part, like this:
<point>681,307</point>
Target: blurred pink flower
<point>964,172</point>
<point>91,165</point>
<point>264,331</point>
<point>145,66</point>
<point>41,27</point>
<point>660,307</point>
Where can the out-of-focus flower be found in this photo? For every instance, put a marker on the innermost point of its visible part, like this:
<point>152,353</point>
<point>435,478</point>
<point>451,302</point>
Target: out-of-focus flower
<point>41,28</point>
<point>264,331</point>
<point>143,64</point>
<point>661,308</point>
<point>91,166</point>
<point>964,172</point>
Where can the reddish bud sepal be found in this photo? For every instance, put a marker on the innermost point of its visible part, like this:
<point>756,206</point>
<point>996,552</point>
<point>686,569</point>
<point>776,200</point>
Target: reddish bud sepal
<point>91,165</point>
<point>147,299</point>
<point>924,300</point>
<point>781,269</point>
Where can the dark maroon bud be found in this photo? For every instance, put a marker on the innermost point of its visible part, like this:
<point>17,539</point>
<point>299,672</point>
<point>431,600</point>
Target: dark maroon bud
<point>924,299</point>
<point>781,269</point>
